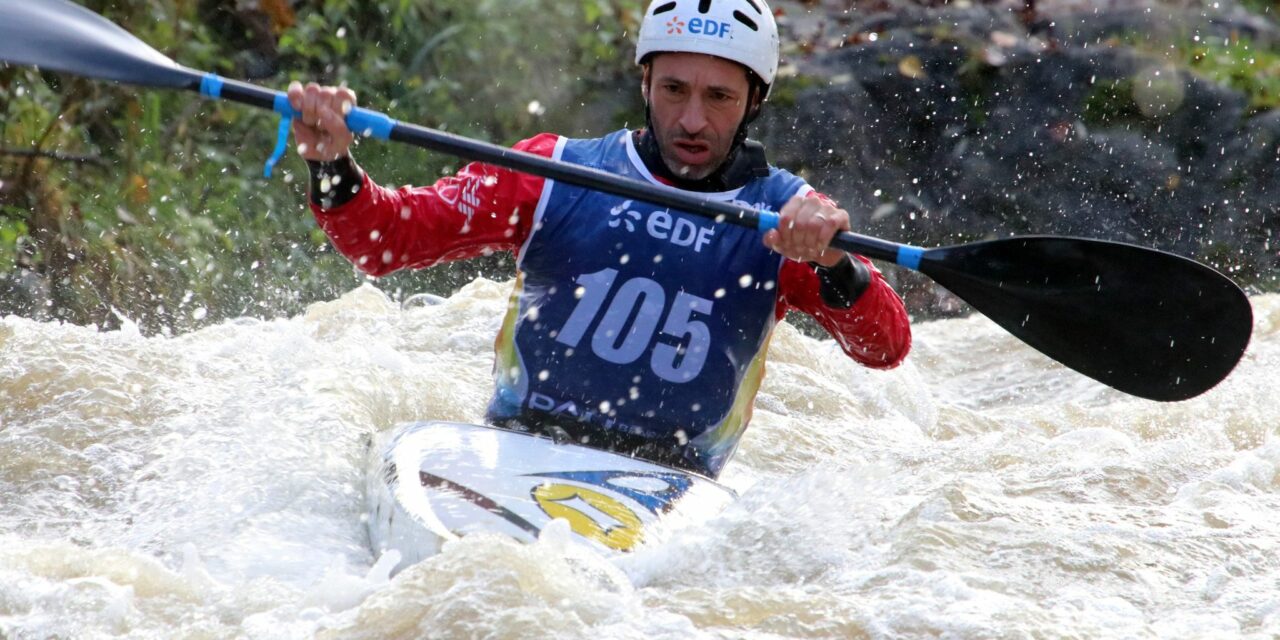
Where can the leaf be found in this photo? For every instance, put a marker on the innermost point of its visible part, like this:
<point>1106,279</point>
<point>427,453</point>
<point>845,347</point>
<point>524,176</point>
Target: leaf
<point>911,67</point>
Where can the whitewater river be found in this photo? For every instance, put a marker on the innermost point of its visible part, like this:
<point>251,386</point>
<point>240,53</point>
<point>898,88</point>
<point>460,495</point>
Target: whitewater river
<point>209,485</point>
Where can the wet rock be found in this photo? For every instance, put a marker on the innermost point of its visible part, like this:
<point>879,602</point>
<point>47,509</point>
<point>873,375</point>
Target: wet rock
<point>24,293</point>
<point>939,126</point>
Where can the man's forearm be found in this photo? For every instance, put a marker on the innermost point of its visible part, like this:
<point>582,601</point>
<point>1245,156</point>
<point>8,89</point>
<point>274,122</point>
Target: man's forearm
<point>842,284</point>
<point>334,183</point>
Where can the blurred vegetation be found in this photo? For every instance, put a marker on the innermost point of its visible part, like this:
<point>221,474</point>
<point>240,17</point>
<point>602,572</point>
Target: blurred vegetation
<point>117,201</point>
<point>1238,62</point>
<point>1242,65</point>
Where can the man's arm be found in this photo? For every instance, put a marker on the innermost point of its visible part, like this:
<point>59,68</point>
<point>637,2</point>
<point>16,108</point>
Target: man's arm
<point>845,294</point>
<point>480,210</point>
<point>874,329</point>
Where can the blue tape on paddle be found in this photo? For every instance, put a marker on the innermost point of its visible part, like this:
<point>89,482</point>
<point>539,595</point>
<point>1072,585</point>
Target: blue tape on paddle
<point>768,221</point>
<point>286,112</point>
<point>211,86</point>
<point>909,257</point>
<point>370,123</point>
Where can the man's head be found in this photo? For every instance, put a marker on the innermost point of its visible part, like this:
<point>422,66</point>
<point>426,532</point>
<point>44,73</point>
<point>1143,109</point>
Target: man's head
<point>708,66</point>
<point>697,104</point>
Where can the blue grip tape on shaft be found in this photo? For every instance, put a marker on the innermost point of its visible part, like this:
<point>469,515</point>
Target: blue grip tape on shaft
<point>370,123</point>
<point>768,221</point>
<point>909,257</point>
<point>211,86</point>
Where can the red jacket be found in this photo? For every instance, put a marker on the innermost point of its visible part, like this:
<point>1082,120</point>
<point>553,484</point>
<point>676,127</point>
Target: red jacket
<point>484,209</point>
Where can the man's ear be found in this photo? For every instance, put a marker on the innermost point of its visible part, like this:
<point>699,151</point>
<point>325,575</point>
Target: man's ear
<point>644,83</point>
<point>755,97</point>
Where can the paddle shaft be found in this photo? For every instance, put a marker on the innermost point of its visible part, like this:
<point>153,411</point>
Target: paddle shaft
<point>1149,323</point>
<point>1146,322</point>
<point>378,125</point>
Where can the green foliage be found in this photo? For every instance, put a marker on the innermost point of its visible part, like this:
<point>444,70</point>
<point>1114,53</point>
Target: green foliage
<point>1242,65</point>
<point>787,89</point>
<point>1238,62</point>
<point>1265,7</point>
<point>977,79</point>
<point>172,224</point>
<point>1110,103</point>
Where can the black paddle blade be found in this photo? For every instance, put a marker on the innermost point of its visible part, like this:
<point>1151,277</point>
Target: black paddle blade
<point>1149,323</point>
<point>62,36</point>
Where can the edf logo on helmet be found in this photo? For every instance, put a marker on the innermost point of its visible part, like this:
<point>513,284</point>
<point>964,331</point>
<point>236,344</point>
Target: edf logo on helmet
<point>742,31</point>
<point>699,26</point>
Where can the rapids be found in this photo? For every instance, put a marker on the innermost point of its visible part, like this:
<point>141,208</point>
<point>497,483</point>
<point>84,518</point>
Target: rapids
<point>209,485</point>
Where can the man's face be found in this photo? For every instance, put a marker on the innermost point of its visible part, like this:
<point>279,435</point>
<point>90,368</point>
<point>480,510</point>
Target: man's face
<point>696,103</point>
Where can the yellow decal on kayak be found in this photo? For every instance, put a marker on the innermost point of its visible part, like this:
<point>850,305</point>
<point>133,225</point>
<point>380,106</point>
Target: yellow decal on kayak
<point>624,533</point>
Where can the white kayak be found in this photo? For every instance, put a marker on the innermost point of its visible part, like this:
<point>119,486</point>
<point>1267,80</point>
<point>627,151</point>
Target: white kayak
<point>430,482</point>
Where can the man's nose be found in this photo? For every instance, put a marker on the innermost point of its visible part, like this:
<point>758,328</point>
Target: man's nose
<point>693,119</point>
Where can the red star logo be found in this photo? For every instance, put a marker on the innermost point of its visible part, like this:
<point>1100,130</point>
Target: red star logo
<point>675,25</point>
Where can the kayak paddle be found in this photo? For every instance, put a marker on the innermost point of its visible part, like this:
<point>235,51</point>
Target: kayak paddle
<point>1146,322</point>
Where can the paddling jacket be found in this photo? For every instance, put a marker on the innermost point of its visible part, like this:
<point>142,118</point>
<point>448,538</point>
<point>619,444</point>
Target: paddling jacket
<point>631,326</point>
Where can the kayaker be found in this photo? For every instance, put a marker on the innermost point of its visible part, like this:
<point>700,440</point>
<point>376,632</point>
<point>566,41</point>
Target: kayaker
<point>631,327</point>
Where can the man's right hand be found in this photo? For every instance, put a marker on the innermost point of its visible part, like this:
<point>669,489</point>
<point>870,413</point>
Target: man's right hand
<point>322,132</point>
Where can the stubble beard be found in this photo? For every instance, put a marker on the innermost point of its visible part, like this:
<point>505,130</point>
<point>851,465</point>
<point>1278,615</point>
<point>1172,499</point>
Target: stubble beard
<point>684,171</point>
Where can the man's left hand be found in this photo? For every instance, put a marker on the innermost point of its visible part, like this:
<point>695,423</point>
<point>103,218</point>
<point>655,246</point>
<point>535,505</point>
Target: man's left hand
<point>805,231</point>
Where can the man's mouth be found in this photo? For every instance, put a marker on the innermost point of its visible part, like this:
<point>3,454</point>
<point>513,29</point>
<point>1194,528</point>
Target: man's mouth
<point>692,152</point>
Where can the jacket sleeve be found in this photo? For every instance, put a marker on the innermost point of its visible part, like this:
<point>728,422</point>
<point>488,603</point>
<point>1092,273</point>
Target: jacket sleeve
<point>480,210</point>
<point>875,330</point>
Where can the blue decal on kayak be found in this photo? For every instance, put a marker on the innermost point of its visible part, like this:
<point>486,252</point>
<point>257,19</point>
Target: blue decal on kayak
<point>655,501</point>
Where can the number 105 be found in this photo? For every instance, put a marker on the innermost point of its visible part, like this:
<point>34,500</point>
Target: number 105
<point>646,300</point>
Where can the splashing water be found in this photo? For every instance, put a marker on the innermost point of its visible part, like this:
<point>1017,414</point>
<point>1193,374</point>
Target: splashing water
<point>208,485</point>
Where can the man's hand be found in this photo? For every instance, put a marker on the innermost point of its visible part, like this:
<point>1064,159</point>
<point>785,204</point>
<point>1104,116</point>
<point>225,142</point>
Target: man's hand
<point>322,132</point>
<point>806,229</point>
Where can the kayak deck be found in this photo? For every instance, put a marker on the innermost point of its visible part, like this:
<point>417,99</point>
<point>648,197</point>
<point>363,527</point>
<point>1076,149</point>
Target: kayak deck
<point>430,482</point>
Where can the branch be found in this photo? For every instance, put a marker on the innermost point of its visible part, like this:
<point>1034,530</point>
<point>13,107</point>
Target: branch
<point>54,155</point>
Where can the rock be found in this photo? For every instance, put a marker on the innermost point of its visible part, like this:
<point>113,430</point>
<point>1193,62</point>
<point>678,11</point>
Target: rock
<point>957,124</point>
<point>24,293</point>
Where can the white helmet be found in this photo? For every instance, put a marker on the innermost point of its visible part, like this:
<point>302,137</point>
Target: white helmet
<point>739,30</point>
